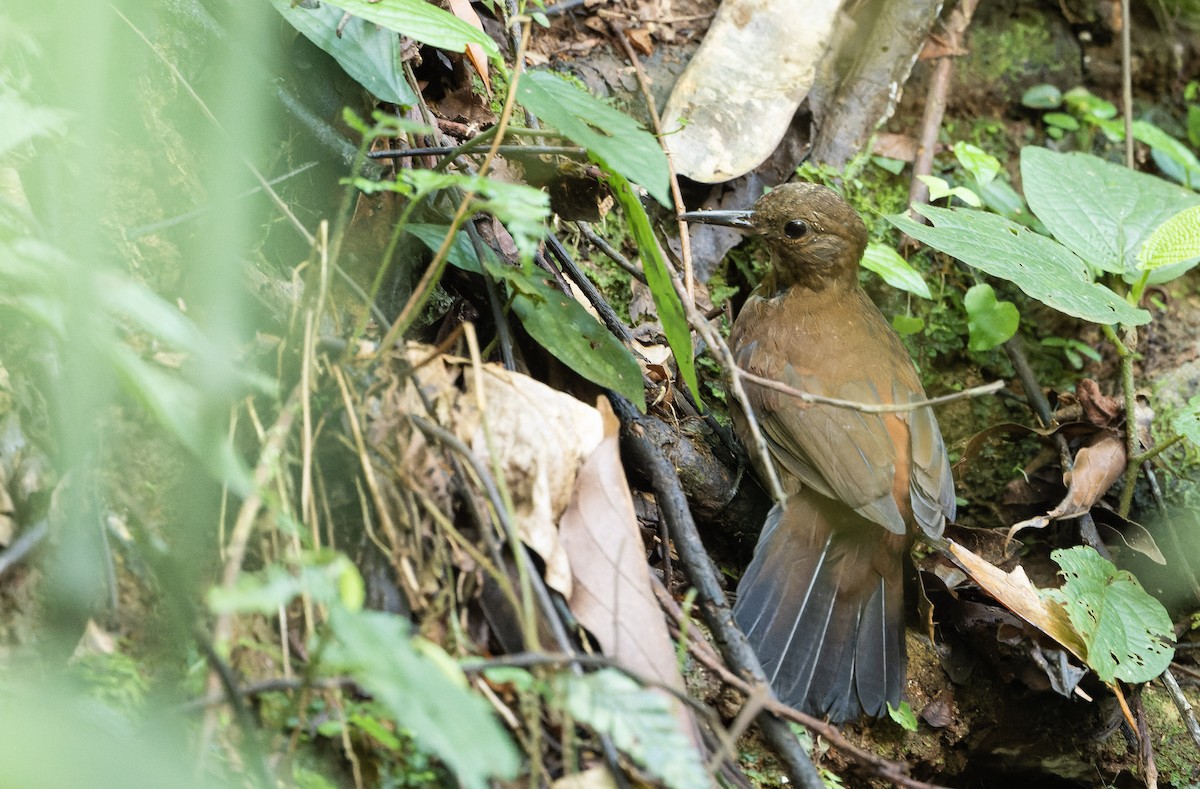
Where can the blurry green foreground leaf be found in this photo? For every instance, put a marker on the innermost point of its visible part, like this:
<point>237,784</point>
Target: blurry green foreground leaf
<point>640,721</point>
<point>442,715</point>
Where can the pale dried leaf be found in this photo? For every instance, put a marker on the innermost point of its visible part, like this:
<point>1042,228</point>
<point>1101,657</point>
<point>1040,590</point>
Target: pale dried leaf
<point>613,596</point>
<point>598,777</point>
<point>540,437</point>
<point>736,98</point>
<point>1015,592</point>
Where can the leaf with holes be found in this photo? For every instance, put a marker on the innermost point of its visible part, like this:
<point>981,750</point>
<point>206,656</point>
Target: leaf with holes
<point>1128,633</point>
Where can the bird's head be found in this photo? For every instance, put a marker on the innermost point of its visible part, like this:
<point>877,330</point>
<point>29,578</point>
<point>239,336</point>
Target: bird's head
<point>816,239</point>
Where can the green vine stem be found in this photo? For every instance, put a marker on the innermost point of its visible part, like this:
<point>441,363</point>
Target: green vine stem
<point>1127,351</point>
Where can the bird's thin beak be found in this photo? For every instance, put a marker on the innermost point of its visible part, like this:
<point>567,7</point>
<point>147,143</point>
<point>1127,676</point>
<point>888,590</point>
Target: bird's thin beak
<point>738,219</point>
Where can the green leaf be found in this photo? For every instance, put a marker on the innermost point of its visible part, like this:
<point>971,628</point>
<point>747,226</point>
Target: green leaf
<point>907,324</point>
<point>990,322</point>
<point>976,161</point>
<point>461,254</point>
<point>1187,422</point>
<point>640,721</point>
<point>1193,125</point>
<point>903,715</point>
<point>1100,211</point>
<point>613,139</point>
<point>1042,97</point>
<point>939,188</point>
<point>893,166</point>
<point>375,649</point>
<point>1082,101</point>
<point>1061,120</point>
<point>563,327</point>
<point>421,21</point>
<point>370,54</point>
<point>1174,243</point>
<point>1041,267</point>
<point>21,122</point>
<point>887,263</point>
<point>321,575</point>
<point>666,300</point>
<point>523,209</point>
<point>1127,632</point>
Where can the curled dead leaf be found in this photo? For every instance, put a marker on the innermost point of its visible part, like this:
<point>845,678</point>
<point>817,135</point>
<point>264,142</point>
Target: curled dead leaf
<point>1098,465</point>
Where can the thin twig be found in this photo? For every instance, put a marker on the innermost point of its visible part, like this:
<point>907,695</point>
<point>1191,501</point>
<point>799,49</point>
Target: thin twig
<point>685,242</point>
<point>1181,703</point>
<point>610,251</point>
<point>869,408</point>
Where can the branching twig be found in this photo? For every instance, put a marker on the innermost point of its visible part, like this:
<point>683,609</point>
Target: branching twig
<point>869,408</point>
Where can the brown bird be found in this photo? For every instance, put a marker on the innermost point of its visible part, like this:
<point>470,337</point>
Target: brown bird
<point>822,600</point>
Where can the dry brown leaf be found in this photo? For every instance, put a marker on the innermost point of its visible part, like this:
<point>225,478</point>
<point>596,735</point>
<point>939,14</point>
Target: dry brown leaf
<point>1015,592</point>
<point>895,146</point>
<point>1097,466</point>
<point>613,596</point>
<point>640,39</point>
<point>540,437</point>
<point>463,10</point>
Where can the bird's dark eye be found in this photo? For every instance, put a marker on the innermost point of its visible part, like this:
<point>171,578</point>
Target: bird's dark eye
<point>795,229</point>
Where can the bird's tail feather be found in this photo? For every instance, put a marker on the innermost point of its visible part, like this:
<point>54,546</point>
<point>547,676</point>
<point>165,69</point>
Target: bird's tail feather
<point>822,605</point>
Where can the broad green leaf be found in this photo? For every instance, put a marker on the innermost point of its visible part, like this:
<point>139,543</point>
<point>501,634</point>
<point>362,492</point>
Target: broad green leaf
<point>563,327</point>
<point>1101,211</point>
<point>370,54</point>
<point>990,322</point>
<point>976,161</point>
<point>887,263</point>
<point>1175,243</point>
<point>375,649</point>
<point>1187,422</point>
<point>666,300</point>
<point>612,138</point>
<point>1042,97</point>
<point>1128,633</point>
<point>640,721</point>
<point>1041,267</point>
<point>421,21</point>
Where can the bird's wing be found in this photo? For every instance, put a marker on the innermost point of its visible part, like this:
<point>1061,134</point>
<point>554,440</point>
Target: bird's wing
<point>849,454</point>
<point>842,453</point>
